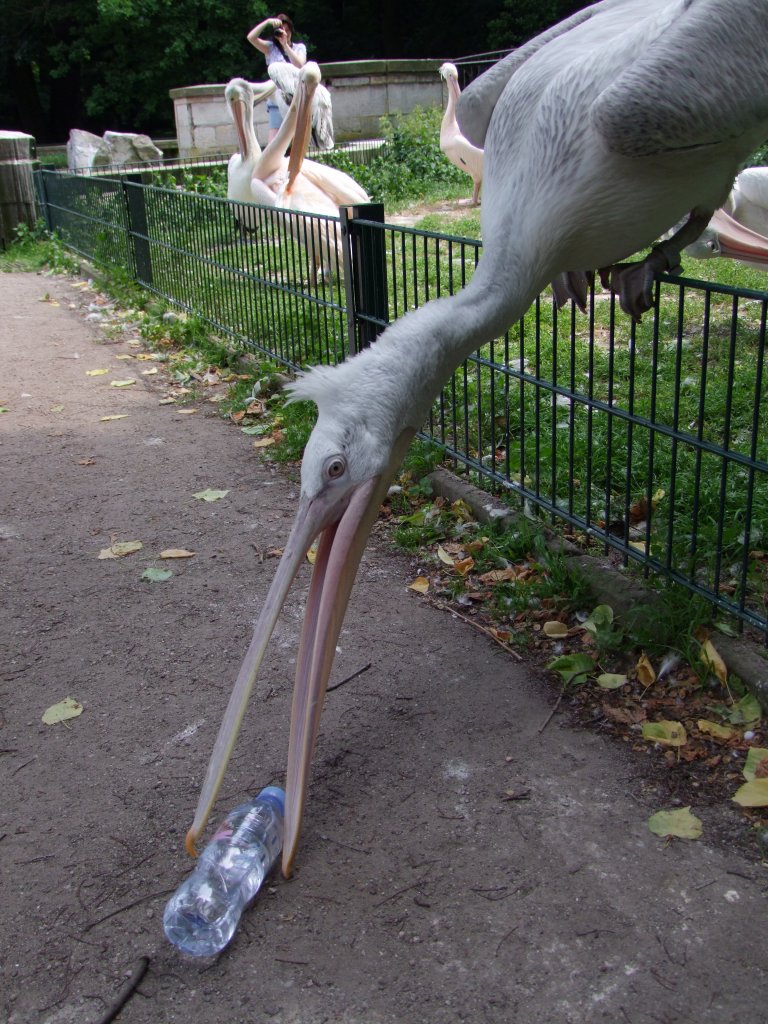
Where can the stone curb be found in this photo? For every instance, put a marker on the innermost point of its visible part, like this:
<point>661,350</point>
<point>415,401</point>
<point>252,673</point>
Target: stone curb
<point>628,597</point>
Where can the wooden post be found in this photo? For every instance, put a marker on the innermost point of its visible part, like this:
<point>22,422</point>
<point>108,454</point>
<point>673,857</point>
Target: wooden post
<point>17,187</point>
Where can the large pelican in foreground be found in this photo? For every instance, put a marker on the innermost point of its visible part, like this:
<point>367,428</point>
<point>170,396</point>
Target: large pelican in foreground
<point>459,150</point>
<point>598,135</point>
<point>269,178</point>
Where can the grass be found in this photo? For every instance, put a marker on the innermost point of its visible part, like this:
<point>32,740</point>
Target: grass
<point>534,409</point>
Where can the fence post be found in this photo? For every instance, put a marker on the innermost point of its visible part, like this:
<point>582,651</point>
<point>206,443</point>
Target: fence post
<point>365,274</point>
<point>135,202</point>
<point>17,190</point>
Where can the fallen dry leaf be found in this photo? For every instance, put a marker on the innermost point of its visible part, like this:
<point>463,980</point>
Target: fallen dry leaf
<point>122,383</point>
<point>176,553</point>
<point>119,549</point>
<point>555,629</point>
<point>420,585</point>
<point>645,671</point>
<point>713,661</point>
<point>96,373</point>
<point>107,419</point>
<point>61,712</point>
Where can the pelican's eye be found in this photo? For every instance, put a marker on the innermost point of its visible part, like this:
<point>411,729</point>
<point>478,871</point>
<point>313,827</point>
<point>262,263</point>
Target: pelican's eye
<point>335,467</point>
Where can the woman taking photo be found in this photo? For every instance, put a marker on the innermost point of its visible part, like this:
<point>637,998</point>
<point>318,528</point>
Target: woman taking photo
<point>279,48</point>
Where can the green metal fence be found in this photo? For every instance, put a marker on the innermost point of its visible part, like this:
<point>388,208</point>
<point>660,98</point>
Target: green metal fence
<point>648,440</point>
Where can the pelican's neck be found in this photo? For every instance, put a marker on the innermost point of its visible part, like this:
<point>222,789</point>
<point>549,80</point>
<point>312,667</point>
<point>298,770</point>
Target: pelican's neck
<point>453,94</point>
<point>417,354</point>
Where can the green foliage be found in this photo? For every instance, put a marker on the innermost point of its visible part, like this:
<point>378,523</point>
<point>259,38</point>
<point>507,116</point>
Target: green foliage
<point>410,164</point>
<point>37,249</point>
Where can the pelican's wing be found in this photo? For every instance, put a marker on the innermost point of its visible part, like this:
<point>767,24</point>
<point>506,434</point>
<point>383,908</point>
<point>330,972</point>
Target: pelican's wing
<point>476,103</point>
<point>286,78</point>
<point>704,81</point>
<point>322,119</point>
<point>341,188</point>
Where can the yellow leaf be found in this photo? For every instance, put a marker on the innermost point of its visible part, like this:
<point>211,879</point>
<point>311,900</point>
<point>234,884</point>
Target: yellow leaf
<point>167,401</point>
<point>671,734</point>
<point>681,824</point>
<point>149,372</point>
<point>67,708</point>
<point>462,511</point>
<point>720,732</point>
<point>187,412</point>
<point>95,373</point>
<point>176,553</point>
<point>713,661</point>
<point>443,555</point>
<point>312,553</point>
<point>464,566</point>
<point>106,419</point>
<point>756,764</point>
<point>611,680</point>
<point>555,629</point>
<point>121,383</point>
<point>57,408</point>
<point>752,794</point>
<point>124,355</point>
<point>645,671</point>
<point>263,442</point>
<point>121,548</point>
<point>420,585</point>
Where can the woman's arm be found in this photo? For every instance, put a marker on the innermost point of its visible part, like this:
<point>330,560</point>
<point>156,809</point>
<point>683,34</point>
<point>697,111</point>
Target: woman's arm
<point>296,54</point>
<point>254,36</point>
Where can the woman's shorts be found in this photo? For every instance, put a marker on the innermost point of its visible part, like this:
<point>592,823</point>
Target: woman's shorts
<point>273,113</point>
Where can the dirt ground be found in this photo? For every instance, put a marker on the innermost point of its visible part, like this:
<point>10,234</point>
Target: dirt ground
<point>458,862</point>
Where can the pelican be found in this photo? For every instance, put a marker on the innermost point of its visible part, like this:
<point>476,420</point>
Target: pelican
<point>459,150</point>
<point>269,178</point>
<point>286,78</point>
<point>739,229</point>
<point>598,134</point>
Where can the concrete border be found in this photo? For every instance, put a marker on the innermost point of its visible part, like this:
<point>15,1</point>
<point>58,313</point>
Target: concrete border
<point>628,597</point>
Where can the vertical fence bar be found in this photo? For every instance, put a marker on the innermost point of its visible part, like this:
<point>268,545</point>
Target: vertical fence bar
<point>365,274</point>
<point>137,228</point>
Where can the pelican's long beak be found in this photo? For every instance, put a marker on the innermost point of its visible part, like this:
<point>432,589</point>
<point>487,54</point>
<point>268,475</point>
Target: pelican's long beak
<point>738,242</point>
<point>344,528</point>
<point>303,102</point>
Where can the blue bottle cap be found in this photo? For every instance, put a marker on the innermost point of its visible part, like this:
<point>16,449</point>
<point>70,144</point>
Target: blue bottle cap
<point>275,795</point>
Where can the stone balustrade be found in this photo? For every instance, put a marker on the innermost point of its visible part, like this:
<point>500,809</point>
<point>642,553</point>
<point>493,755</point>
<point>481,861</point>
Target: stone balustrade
<point>363,91</point>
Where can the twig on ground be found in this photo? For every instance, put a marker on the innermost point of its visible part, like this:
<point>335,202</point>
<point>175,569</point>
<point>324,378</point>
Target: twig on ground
<point>349,679</point>
<point>125,993</point>
<point>443,607</point>
<point>127,906</point>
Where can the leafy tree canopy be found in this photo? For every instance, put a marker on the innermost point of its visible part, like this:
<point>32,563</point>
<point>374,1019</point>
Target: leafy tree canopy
<point>109,64</point>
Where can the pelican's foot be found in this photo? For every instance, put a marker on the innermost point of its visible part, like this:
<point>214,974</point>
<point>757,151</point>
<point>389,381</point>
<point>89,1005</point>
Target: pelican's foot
<point>633,282</point>
<point>575,285</point>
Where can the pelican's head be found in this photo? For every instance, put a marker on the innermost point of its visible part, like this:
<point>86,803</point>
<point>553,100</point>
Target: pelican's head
<point>725,236</point>
<point>348,463</point>
<point>241,96</point>
<point>448,70</point>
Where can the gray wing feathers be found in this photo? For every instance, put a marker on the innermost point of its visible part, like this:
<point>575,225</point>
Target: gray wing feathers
<point>476,103</point>
<point>704,81</point>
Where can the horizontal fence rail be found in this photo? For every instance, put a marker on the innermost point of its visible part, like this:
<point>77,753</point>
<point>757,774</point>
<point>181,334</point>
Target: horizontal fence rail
<point>648,440</point>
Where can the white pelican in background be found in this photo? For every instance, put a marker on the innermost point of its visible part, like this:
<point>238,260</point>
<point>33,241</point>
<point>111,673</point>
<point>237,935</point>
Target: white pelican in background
<point>459,150</point>
<point>286,78</point>
<point>269,178</point>
<point>598,135</point>
<point>739,229</point>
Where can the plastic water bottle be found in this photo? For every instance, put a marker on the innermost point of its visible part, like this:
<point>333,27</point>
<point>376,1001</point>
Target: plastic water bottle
<point>202,915</point>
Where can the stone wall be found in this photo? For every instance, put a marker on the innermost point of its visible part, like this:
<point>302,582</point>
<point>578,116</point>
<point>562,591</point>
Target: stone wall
<point>362,93</point>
